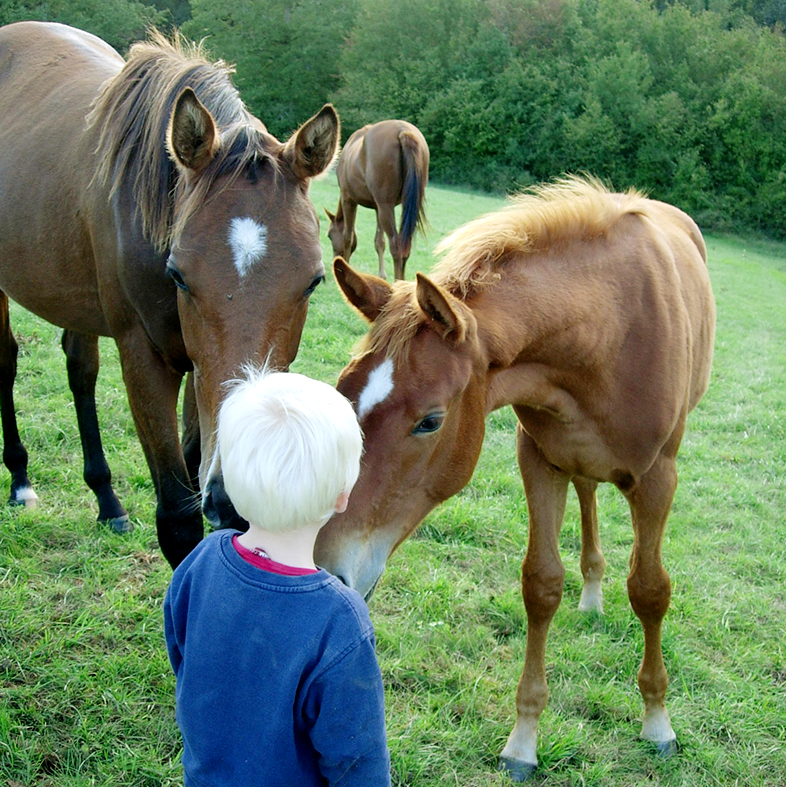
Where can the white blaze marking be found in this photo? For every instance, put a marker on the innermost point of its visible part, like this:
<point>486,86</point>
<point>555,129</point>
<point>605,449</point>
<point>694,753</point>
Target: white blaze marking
<point>379,385</point>
<point>249,243</point>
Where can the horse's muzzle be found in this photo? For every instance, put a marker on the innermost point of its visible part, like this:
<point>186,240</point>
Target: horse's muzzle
<point>218,508</point>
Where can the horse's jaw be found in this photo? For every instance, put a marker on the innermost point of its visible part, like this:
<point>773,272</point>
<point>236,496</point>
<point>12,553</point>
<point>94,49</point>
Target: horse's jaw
<point>358,561</point>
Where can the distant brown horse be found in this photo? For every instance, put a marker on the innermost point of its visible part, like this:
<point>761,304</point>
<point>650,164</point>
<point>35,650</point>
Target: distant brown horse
<point>140,200</point>
<point>591,314</point>
<point>382,165</point>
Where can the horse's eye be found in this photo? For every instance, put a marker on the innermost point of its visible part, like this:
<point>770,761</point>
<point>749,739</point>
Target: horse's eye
<point>175,275</point>
<point>314,284</point>
<point>429,424</point>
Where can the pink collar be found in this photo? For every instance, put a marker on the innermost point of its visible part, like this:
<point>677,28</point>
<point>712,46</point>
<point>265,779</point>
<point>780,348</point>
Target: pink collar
<point>260,559</point>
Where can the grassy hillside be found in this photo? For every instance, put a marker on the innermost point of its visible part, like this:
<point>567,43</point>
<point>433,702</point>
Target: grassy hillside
<point>86,694</point>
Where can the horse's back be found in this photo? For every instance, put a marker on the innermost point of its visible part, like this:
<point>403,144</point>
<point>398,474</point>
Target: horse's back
<point>31,47</point>
<point>616,324</point>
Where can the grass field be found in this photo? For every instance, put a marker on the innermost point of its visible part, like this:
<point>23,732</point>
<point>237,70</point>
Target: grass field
<point>86,694</point>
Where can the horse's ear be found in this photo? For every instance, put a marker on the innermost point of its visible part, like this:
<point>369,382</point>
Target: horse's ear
<point>331,216</point>
<point>192,138</point>
<point>447,314</point>
<point>312,148</point>
<point>367,293</point>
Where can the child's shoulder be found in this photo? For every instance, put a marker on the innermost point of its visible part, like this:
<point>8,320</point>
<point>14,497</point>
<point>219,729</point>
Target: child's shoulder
<point>347,601</point>
<point>202,555</point>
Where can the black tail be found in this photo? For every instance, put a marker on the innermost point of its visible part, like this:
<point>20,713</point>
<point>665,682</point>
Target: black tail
<point>413,194</point>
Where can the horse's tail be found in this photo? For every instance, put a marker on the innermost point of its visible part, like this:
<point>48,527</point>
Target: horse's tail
<point>415,158</point>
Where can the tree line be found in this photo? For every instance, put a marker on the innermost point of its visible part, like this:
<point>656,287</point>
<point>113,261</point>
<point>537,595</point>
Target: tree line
<point>684,99</point>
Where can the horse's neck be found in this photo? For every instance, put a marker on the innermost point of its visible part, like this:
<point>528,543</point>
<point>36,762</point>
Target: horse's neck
<point>514,325</point>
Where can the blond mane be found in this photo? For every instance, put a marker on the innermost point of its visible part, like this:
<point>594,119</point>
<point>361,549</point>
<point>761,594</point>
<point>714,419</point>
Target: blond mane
<point>568,209</point>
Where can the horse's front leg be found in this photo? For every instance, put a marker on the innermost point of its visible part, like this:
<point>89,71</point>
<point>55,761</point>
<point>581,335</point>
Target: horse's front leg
<point>82,362</point>
<point>349,211</point>
<point>153,387</point>
<point>542,579</point>
<point>379,243</point>
<point>593,564</point>
<point>649,591</point>
<point>14,453</point>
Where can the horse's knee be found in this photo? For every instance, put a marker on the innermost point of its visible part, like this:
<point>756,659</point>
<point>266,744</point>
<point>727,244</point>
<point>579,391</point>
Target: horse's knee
<point>541,588</point>
<point>649,593</point>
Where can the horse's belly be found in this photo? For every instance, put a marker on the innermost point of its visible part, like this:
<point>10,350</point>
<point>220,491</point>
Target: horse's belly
<point>66,309</point>
<point>577,446</point>
<point>574,449</point>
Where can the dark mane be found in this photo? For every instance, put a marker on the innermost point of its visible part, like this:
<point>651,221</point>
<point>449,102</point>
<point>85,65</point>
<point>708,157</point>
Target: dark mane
<point>133,110</point>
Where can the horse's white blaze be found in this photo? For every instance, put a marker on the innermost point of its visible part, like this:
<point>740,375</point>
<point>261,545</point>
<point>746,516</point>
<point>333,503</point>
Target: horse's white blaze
<point>248,241</point>
<point>378,387</point>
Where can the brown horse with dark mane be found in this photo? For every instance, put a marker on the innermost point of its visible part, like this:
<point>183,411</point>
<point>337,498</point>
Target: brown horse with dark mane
<point>382,165</point>
<point>142,201</point>
<point>591,313</point>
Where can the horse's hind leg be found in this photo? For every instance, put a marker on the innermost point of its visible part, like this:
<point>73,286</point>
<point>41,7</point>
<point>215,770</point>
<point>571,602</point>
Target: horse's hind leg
<point>14,453</point>
<point>82,364</point>
<point>593,564</point>
<point>649,591</point>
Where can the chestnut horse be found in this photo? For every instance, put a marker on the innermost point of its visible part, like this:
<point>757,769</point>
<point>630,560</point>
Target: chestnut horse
<point>591,313</point>
<point>382,165</point>
<point>142,201</point>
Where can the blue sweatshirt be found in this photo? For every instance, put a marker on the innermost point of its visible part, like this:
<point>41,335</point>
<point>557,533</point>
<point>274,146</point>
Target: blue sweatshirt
<point>278,683</point>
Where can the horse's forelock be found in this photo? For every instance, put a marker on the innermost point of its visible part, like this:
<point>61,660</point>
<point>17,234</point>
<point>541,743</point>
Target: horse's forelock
<point>133,110</point>
<point>396,325</point>
<point>243,153</point>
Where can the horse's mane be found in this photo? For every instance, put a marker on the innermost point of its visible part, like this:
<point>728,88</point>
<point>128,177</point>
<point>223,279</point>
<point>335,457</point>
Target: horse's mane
<point>568,209</point>
<point>133,110</point>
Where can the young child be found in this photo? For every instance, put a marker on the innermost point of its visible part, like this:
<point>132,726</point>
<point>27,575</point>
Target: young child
<point>278,683</point>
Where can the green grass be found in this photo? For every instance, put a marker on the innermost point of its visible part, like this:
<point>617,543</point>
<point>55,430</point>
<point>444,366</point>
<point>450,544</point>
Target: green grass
<point>86,694</point>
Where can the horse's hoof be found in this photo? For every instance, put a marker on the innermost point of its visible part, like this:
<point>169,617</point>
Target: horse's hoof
<point>667,749</point>
<point>517,770</point>
<point>24,496</point>
<point>119,524</point>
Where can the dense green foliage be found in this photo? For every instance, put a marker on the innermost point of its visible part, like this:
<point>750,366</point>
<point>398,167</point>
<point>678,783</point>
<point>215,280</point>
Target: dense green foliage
<point>119,22</point>
<point>683,99</point>
<point>286,52</point>
<point>522,90</point>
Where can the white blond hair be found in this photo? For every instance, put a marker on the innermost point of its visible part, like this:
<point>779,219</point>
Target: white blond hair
<point>290,446</point>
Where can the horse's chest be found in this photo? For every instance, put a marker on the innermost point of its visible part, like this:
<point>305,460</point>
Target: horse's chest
<point>573,444</point>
